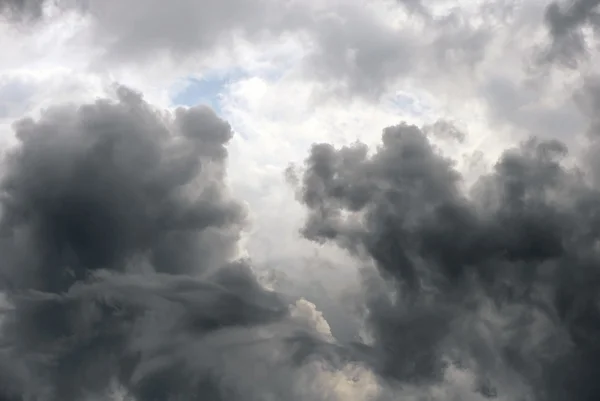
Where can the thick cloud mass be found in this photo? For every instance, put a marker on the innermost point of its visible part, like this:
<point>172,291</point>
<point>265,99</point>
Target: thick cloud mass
<point>565,20</point>
<point>501,280</point>
<point>117,241</point>
<point>97,186</point>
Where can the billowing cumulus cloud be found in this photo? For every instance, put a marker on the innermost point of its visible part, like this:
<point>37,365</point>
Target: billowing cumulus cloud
<point>95,185</point>
<point>119,246</point>
<point>498,279</point>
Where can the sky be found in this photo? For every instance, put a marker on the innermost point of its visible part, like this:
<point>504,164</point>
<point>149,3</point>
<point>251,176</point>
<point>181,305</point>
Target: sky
<point>311,200</point>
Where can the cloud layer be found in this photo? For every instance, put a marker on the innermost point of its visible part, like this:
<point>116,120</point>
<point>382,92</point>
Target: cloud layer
<point>118,247</point>
<point>124,273</point>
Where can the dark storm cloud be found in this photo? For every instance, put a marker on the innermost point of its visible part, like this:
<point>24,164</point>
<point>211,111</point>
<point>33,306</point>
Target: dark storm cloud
<point>94,186</point>
<point>117,240</point>
<point>501,279</point>
<point>565,20</point>
<point>148,332</point>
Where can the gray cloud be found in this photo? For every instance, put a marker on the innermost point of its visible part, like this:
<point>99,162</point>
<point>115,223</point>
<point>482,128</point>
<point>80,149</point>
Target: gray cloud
<point>127,30</point>
<point>350,61</point>
<point>118,234</point>
<point>500,280</point>
<point>149,333</point>
<point>518,105</point>
<point>117,239</point>
<point>17,9</point>
<point>92,186</point>
<point>565,22</point>
<point>345,61</point>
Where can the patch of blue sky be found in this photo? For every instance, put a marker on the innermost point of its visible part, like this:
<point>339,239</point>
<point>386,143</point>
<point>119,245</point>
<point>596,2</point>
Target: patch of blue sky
<point>14,96</point>
<point>207,89</point>
<point>410,105</point>
<point>200,91</point>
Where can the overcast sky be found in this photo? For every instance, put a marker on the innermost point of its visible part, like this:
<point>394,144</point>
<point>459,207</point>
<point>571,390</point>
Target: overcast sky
<point>299,200</point>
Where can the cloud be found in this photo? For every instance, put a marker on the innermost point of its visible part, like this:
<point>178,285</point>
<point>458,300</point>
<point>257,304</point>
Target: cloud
<point>121,240</point>
<point>89,196</point>
<point>565,22</point>
<point>22,8</point>
<point>186,26</point>
<point>499,279</point>
<point>396,40</point>
<point>529,109</point>
<point>119,248</point>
